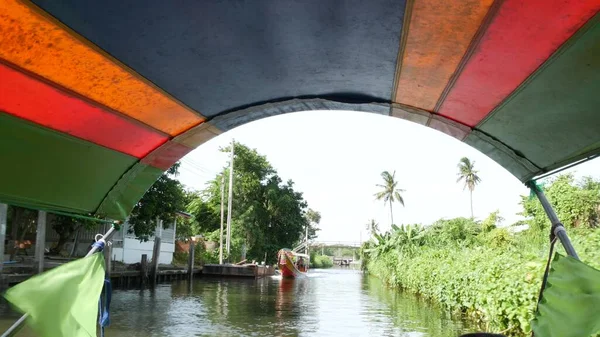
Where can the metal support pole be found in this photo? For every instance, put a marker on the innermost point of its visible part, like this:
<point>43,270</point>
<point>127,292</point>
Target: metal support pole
<point>19,323</point>
<point>557,227</point>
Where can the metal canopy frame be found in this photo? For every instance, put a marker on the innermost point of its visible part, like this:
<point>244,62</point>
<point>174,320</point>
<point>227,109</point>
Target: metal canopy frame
<point>558,229</point>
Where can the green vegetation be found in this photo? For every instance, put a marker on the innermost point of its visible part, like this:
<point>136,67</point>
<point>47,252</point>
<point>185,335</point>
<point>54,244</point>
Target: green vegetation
<point>372,227</point>
<point>268,214</point>
<point>161,201</point>
<point>201,256</point>
<point>66,227</point>
<point>480,269</point>
<point>320,261</point>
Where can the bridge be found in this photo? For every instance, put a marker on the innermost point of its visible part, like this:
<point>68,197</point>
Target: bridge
<point>353,244</point>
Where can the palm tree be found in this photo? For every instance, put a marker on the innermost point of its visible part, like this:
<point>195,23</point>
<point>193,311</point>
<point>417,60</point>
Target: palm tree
<point>468,174</point>
<point>390,192</point>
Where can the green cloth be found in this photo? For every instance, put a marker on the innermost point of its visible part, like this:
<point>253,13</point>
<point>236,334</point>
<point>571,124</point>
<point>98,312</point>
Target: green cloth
<point>570,305</point>
<point>64,300</point>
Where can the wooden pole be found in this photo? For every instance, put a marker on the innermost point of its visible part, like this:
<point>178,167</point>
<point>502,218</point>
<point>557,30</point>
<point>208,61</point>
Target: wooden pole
<point>155,256</point>
<point>191,261</point>
<point>40,241</point>
<point>144,271</point>
<point>3,212</point>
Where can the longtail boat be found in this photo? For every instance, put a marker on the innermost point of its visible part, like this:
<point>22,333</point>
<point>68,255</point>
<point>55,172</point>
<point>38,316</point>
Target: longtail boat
<point>292,264</point>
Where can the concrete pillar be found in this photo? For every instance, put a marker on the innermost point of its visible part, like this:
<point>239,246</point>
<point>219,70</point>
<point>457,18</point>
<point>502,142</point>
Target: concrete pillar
<point>40,241</point>
<point>3,211</point>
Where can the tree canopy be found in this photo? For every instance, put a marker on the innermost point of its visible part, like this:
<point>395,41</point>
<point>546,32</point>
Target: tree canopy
<point>576,203</point>
<point>267,212</point>
<point>162,201</point>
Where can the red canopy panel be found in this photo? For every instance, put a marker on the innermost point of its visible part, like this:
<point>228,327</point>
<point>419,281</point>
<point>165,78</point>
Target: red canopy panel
<point>522,35</point>
<point>34,100</point>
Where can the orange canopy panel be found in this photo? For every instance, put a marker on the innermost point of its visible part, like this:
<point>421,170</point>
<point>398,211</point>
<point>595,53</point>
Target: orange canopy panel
<point>98,98</point>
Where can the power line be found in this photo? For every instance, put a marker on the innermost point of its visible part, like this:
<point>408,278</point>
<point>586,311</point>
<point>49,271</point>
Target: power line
<point>197,165</point>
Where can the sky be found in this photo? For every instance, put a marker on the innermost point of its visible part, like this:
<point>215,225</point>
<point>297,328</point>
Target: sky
<point>336,158</point>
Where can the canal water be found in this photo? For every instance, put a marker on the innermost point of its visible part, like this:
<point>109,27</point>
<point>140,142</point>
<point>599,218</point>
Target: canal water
<point>332,302</point>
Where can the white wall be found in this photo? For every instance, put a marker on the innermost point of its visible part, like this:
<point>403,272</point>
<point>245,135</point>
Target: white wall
<point>132,253</point>
<point>126,248</point>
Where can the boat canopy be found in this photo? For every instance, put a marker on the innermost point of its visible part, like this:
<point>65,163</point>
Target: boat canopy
<point>291,252</point>
<point>98,98</point>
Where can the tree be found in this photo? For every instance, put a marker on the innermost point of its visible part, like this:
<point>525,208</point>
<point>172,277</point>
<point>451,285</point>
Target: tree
<point>468,174</point>
<point>65,227</point>
<point>491,222</point>
<point>23,220</point>
<point>372,227</point>
<point>161,201</point>
<point>285,219</point>
<point>188,227</point>
<point>206,218</point>
<point>576,205</point>
<point>314,218</point>
<point>267,213</point>
<point>390,192</point>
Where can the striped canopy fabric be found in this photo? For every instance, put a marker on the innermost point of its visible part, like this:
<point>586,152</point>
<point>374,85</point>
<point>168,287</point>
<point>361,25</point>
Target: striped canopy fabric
<point>98,98</point>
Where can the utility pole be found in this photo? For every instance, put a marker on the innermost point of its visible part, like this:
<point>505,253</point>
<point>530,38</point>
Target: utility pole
<point>306,240</point>
<point>230,198</point>
<point>222,216</point>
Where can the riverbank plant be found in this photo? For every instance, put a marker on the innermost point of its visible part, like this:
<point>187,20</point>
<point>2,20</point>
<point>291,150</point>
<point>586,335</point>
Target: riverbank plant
<point>320,261</point>
<point>489,273</point>
<point>201,256</point>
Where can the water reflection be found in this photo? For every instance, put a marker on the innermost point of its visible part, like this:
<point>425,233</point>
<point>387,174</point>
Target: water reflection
<point>413,316</point>
<point>327,303</point>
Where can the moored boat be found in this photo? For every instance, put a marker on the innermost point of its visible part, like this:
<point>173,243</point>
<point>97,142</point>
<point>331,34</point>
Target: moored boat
<point>292,264</point>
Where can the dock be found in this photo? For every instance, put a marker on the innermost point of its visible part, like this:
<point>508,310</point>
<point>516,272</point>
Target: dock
<point>232,270</point>
<point>120,279</point>
<point>134,278</point>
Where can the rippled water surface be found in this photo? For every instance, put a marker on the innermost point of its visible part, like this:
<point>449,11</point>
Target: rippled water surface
<point>335,302</point>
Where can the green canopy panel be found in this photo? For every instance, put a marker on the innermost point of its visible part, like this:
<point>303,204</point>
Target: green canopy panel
<point>570,304</point>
